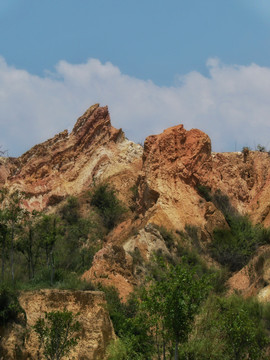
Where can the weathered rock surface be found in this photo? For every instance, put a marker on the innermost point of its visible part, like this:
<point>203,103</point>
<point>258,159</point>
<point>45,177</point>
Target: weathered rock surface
<point>112,266</point>
<point>246,180</point>
<point>254,278</point>
<point>18,342</point>
<point>68,163</point>
<point>174,162</point>
<point>177,161</point>
<point>167,171</point>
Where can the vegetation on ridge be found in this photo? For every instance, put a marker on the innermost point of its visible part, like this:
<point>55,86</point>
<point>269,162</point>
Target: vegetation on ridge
<point>178,312</point>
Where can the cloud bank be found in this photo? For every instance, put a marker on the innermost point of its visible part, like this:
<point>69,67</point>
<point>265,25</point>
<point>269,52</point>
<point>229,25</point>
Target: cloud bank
<point>231,105</point>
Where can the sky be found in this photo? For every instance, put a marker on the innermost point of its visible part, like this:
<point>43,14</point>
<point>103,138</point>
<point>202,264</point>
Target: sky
<point>155,63</point>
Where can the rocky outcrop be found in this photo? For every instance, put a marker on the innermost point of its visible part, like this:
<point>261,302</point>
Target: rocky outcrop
<point>167,172</point>
<point>19,342</point>
<point>68,163</point>
<point>174,162</point>
<point>177,161</point>
<point>112,266</point>
<point>246,180</point>
<point>254,278</point>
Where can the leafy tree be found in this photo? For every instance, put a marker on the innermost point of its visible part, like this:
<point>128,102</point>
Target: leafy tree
<point>28,242</point>
<point>230,328</point>
<point>131,325</point>
<point>49,231</point>
<point>11,206</point>
<point>174,299</point>
<point>4,240</point>
<point>57,333</point>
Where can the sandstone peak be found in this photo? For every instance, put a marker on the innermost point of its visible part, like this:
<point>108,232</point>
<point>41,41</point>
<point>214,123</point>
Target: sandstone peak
<point>68,163</point>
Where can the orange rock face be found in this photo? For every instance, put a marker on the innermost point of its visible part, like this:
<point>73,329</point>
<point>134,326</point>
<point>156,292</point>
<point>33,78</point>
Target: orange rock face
<point>112,266</point>
<point>173,163</point>
<point>176,161</point>
<point>68,163</point>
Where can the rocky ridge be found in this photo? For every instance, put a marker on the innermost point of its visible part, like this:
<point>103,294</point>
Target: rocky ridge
<point>166,172</point>
<point>67,164</point>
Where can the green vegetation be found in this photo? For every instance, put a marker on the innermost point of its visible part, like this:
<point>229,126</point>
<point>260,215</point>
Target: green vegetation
<point>230,328</point>
<point>57,334</point>
<point>10,308</point>
<point>204,191</point>
<point>234,247</point>
<point>261,148</point>
<point>173,300</point>
<point>107,204</point>
<point>131,325</point>
<point>167,235</point>
<point>47,250</point>
<point>180,310</point>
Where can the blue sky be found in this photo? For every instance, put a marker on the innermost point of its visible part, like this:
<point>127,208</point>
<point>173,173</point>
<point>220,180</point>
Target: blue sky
<point>155,63</point>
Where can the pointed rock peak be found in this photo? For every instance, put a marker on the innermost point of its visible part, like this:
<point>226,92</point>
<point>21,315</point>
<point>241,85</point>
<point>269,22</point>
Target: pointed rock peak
<point>91,116</point>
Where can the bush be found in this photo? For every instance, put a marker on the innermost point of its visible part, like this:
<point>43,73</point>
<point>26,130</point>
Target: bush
<point>192,232</point>
<point>10,308</point>
<point>222,202</point>
<point>261,148</point>
<point>167,236</point>
<point>228,328</point>
<point>131,325</point>
<point>235,247</point>
<point>108,206</point>
<point>204,191</point>
<point>122,349</point>
<point>70,211</point>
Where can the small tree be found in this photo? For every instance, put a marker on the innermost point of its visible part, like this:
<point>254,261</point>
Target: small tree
<point>261,148</point>
<point>28,243</point>
<point>49,232</point>
<point>57,333</point>
<point>11,216</point>
<point>174,299</point>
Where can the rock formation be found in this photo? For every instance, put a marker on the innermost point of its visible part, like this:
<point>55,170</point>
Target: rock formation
<point>166,172</point>
<point>68,163</point>
<point>19,342</point>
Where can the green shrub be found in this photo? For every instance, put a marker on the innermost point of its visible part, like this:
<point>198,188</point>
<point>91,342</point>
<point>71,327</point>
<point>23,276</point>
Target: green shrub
<point>135,193</point>
<point>204,191</point>
<point>131,325</point>
<point>167,235</point>
<point>228,328</point>
<point>261,148</point>
<point>222,202</point>
<point>122,349</point>
<point>108,206</point>
<point>192,232</point>
<point>69,212</point>
<point>137,257</point>
<point>10,308</point>
<point>235,247</point>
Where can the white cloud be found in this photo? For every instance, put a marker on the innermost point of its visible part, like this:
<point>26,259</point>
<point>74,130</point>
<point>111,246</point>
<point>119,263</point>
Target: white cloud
<point>231,105</point>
